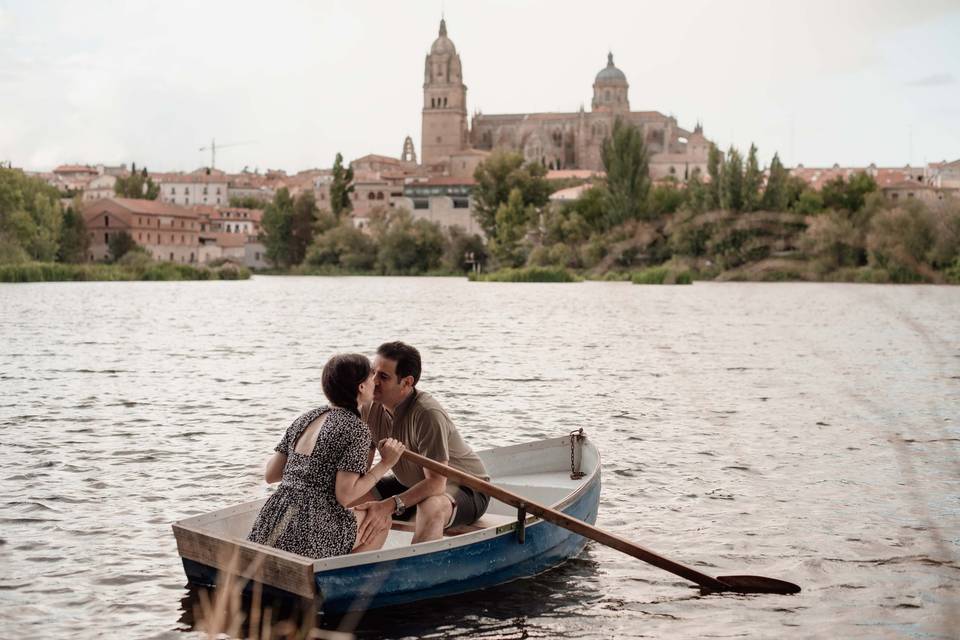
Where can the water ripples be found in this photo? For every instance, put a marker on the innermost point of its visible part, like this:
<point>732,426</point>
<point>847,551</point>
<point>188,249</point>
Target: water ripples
<point>802,431</point>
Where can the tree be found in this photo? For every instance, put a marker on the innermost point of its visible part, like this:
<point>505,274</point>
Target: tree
<point>666,198</point>
<point>775,193</point>
<point>698,196</point>
<point>340,188</point>
<point>752,181</point>
<point>74,241</point>
<point>343,246</point>
<point>247,202</point>
<point>513,219</point>
<point>303,219</point>
<point>625,160</point>
<point>408,246</point>
<point>714,167</point>
<point>731,182</point>
<point>120,244</point>
<point>834,241</point>
<point>30,216</point>
<point>137,185</point>
<point>839,194</point>
<point>497,177</point>
<point>277,228</point>
<point>900,240</point>
<point>460,247</point>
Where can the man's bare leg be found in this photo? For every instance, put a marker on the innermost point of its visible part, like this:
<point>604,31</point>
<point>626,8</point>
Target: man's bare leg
<point>432,514</point>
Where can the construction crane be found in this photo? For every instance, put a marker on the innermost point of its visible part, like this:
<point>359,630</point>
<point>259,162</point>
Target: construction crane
<point>214,146</point>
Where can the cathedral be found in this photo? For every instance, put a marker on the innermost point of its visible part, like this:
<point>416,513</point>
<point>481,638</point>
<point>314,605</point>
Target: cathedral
<point>573,140</point>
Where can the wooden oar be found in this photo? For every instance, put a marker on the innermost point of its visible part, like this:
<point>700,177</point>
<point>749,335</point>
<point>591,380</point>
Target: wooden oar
<point>739,584</point>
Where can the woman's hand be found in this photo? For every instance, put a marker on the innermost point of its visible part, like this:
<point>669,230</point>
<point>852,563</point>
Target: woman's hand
<point>390,451</point>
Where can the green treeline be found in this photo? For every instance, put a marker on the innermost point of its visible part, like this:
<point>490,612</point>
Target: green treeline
<point>731,224</point>
<point>42,242</point>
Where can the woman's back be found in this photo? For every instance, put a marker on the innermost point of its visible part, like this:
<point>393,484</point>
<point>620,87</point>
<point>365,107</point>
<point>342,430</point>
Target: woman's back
<point>303,516</point>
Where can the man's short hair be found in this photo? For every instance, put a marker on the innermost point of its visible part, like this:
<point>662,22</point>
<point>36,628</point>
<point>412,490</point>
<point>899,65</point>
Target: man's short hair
<point>406,357</point>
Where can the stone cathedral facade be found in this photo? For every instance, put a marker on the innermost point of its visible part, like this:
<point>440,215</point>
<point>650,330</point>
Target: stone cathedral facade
<point>450,145</point>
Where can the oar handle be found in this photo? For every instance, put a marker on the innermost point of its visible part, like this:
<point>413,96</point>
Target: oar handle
<point>567,522</point>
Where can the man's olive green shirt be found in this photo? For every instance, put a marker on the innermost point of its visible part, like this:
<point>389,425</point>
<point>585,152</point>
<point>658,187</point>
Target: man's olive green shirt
<point>422,425</point>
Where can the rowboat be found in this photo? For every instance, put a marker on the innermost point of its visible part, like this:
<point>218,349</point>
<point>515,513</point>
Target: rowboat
<point>504,545</point>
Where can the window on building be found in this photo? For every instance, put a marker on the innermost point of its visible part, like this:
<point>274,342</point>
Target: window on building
<point>139,237</point>
<point>171,256</point>
<point>173,191</point>
<point>379,195</point>
<point>218,190</point>
<point>186,190</point>
<point>191,256</point>
<point>106,221</point>
<point>461,203</point>
<point>421,203</point>
<point>148,237</point>
<point>183,239</point>
<point>256,255</point>
<point>106,238</point>
<point>439,139</point>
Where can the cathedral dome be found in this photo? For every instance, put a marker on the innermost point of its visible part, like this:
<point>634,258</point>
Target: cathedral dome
<point>610,74</point>
<point>443,44</point>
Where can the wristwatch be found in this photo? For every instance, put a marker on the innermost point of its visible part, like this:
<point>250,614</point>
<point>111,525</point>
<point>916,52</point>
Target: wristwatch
<point>400,506</point>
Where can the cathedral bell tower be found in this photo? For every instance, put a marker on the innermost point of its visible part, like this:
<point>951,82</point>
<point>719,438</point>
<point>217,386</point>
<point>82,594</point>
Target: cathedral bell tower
<point>444,124</point>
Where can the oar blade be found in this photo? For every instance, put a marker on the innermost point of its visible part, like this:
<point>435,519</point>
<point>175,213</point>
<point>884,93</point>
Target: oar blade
<point>758,584</point>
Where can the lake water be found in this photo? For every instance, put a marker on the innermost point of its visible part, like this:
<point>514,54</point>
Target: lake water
<point>808,432</point>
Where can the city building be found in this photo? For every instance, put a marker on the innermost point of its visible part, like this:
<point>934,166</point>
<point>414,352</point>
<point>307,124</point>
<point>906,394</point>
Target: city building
<point>103,186</point>
<point>203,186</point>
<point>445,200</point>
<point>570,140</point>
<point>167,231</point>
<point>943,174</point>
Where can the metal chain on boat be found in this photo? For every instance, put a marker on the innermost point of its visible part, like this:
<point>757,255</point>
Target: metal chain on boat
<point>575,438</point>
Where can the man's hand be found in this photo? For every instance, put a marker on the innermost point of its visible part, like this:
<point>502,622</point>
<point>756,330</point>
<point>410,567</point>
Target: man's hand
<point>377,519</point>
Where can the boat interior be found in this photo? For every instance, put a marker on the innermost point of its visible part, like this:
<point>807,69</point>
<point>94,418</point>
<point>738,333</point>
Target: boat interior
<point>540,473</point>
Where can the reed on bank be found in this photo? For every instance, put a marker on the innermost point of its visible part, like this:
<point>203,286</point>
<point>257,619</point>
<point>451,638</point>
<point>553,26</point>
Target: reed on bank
<point>63,272</point>
<point>527,274</point>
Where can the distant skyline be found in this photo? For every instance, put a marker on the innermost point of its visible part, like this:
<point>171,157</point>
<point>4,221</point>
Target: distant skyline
<point>849,82</point>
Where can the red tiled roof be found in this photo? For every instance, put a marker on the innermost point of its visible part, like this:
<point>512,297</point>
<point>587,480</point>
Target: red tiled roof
<point>373,157</point>
<point>230,240</point>
<point>74,168</point>
<point>906,184</point>
<point>149,207</point>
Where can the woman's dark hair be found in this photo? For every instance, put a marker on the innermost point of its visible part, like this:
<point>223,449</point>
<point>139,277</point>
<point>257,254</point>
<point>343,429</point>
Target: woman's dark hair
<point>341,379</point>
<point>406,357</point>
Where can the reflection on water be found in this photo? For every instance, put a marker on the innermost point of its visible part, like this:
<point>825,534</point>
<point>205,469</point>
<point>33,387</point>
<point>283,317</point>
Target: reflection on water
<point>801,431</point>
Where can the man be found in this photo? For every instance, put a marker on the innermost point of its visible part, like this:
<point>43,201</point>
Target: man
<point>413,417</point>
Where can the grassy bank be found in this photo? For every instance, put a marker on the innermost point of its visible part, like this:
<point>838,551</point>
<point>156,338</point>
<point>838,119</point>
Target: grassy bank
<point>527,274</point>
<point>60,272</point>
<point>661,275</point>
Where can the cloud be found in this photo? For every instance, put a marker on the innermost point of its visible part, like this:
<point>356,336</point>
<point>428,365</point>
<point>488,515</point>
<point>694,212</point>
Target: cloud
<point>935,80</point>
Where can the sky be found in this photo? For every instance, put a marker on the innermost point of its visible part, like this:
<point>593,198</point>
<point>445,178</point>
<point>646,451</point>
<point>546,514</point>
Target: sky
<point>287,84</point>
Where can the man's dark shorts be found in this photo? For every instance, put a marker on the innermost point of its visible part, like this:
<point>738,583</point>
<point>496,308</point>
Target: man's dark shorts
<point>470,504</point>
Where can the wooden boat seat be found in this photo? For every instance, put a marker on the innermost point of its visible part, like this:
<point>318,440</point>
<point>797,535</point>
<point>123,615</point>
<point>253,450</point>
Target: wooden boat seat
<point>485,521</point>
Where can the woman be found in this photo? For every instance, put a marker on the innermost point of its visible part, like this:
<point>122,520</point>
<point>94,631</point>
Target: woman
<point>322,462</point>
